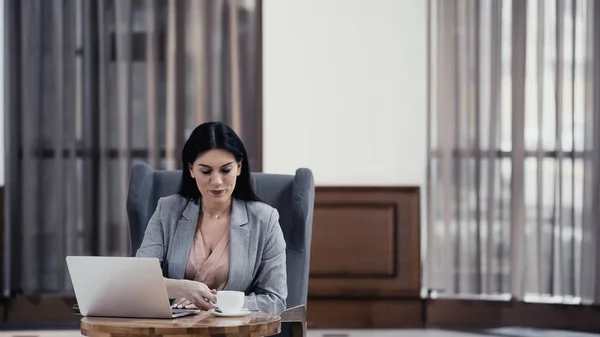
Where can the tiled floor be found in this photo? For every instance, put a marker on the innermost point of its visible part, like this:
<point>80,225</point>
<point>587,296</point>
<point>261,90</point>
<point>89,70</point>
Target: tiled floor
<point>55,333</point>
<point>532,332</point>
<point>319,333</point>
<point>389,333</point>
<point>497,332</point>
<point>504,332</point>
<point>394,333</point>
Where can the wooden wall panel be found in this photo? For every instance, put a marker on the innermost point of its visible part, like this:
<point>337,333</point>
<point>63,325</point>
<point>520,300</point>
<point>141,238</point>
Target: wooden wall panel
<point>365,242</point>
<point>35,310</point>
<point>365,246</point>
<point>364,314</point>
<point>365,258</point>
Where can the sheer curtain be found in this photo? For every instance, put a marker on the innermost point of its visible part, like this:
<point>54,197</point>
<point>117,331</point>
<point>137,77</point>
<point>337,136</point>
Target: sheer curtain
<point>93,85</point>
<point>513,172</point>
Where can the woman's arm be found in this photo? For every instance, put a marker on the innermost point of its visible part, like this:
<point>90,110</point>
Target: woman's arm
<point>153,245</point>
<point>270,285</point>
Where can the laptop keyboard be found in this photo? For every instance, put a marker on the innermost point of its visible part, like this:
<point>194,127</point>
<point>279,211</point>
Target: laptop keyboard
<point>177,311</point>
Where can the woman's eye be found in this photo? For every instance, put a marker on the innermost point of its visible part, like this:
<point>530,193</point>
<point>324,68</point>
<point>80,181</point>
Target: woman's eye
<point>226,170</point>
<point>205,172</point>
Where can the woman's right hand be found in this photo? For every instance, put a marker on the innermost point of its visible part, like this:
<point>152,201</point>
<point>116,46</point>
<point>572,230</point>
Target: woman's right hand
<point>200,294</point>
<point>182,303</point>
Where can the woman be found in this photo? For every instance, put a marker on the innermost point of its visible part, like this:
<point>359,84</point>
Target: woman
<point>215,234</point>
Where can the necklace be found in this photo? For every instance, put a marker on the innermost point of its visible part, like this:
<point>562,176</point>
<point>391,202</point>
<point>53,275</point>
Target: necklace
<point>217,216</point>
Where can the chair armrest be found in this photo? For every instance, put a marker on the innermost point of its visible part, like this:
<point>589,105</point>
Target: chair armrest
<point>295,314</point>
<point>295,318</point>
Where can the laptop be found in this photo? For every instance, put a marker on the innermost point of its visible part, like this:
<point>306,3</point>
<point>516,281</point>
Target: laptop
<point>121,287</point>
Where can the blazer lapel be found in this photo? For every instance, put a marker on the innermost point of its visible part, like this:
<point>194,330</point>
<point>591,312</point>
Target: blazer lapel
<point>183,238</point>
<point>239,246</point>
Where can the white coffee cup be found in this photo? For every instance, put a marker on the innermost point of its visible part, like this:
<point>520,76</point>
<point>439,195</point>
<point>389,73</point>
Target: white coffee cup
<point>229,301</point>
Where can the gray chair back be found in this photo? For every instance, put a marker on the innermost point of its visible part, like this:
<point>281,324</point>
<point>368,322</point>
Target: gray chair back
<point>292,196</point>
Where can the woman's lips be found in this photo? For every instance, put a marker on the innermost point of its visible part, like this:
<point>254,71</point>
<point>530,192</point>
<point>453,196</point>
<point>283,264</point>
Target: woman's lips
<point>217,193</point>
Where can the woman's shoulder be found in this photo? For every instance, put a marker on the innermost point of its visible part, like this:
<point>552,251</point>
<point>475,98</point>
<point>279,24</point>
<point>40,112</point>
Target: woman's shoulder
<point>260,209</point>
<point>264,219</point>
<point>172,202</point>
<point>261,214</point>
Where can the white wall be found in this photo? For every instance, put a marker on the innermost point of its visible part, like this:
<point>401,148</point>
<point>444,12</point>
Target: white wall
<point>345,90</point>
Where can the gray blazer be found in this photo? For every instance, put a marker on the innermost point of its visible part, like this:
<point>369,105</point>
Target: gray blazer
<point>256,250</point>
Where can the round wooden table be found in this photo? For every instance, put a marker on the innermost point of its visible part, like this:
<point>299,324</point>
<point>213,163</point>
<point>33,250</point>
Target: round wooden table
<point>203,324</point>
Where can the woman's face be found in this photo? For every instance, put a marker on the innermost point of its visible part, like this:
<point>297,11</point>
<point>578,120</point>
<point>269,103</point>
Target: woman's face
<point>215,172</point>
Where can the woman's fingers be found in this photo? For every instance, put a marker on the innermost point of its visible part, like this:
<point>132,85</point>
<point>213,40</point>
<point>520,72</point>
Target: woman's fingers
<point>201,295</point>
<point>209,296</point>
<point>191,306</point>
<point>205,305</point>
<point>184,304</point>
<point>180,303</point>
<point>204,302</point>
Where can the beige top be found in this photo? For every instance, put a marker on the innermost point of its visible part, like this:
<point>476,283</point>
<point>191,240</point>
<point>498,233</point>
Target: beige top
<point>209,268</point>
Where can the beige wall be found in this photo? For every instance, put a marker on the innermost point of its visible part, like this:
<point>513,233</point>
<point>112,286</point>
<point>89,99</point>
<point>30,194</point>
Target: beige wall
<point>345,90</point>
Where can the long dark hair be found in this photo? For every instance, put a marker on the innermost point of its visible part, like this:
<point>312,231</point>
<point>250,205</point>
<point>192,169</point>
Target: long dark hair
<point>210,136</point>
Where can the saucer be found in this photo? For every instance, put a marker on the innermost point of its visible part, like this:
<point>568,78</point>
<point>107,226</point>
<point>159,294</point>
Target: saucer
<point>243,312</point>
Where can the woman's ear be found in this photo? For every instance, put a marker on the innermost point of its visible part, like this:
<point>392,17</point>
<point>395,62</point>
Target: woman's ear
<point>191,168</point>
<point>239,169</point>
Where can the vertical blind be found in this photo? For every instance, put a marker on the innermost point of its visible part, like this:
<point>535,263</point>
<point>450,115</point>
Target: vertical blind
<point>93,85</point>
<point>513,168</point>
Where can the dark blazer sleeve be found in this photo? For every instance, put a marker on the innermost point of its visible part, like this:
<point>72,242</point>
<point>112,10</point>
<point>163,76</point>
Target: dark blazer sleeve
<point>270,285</point>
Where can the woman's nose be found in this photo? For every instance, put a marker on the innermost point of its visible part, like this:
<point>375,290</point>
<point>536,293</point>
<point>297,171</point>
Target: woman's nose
<point>216,179</point>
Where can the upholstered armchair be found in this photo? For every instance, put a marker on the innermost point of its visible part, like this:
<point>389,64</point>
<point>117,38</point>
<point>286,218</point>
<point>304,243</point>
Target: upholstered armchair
<point>291,195</point>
